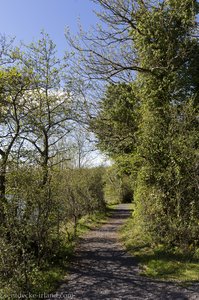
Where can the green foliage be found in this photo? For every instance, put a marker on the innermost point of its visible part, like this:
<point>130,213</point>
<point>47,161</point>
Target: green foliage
<point>116,123</point>
<point>39,198</point>
<point>118,188</point>
<point>81,192</point>
<point>167,136</point>
<point>42,223</point>
<point>150,126</point>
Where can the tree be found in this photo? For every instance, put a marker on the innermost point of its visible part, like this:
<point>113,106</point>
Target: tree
<point>116,122</point>
<point>158,46</point>
<point>50,116</point>
<point>111,51</point>
<point>165,95</point>
<point>8,52</point>
<point>82,147</point>
<point>40,110</point>
<point>13,85</point>
<point>108,52</point>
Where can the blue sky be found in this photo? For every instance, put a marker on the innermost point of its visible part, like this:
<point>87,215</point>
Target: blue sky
<point>26,18</point>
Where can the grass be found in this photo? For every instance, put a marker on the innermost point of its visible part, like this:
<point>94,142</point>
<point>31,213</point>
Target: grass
<point>158,262</point>
<point>89,221</point>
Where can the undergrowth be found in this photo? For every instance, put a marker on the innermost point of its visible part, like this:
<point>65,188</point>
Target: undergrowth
<point>159,261</point>
<point>45,280</point>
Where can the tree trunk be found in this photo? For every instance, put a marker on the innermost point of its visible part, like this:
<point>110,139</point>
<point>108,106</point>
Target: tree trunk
<point>45,158</point>
<point>2,187</point>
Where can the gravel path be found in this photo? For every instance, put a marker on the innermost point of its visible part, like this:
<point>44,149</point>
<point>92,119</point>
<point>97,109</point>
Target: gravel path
<point>101,269</point>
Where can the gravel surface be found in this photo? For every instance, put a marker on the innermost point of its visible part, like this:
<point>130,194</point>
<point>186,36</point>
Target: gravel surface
<point>102,269</point>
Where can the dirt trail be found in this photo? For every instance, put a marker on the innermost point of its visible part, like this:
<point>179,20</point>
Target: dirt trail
<point>101,269</point>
